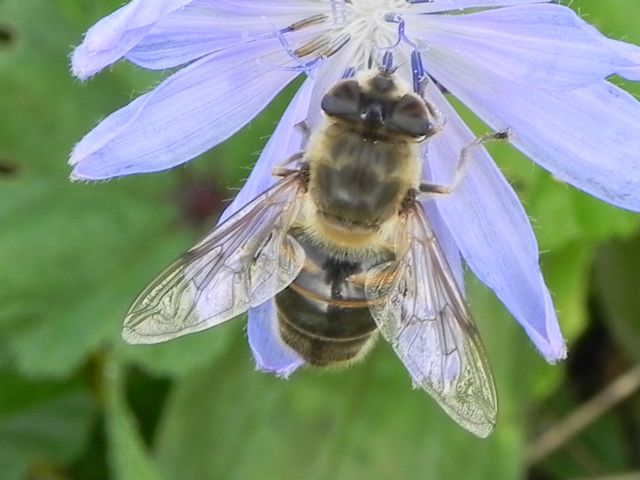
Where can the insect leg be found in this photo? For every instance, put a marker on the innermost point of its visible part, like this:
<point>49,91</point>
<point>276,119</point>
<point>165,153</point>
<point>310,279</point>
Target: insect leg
<point>463,163</point>
<point>282,170</point>
<point>304,128</point>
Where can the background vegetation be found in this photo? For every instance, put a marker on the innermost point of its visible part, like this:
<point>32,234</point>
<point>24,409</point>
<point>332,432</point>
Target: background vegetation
<point>77,403</point>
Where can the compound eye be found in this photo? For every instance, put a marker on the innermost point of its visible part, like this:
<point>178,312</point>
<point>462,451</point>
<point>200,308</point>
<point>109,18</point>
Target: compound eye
<point>410,116</point>
<point>343,100</point>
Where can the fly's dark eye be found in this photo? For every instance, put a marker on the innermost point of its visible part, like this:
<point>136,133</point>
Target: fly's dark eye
<point>343,100</point>
<point>410,116</point>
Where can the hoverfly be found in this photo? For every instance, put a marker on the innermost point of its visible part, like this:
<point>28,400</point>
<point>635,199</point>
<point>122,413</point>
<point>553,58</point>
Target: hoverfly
<point>346,252</point>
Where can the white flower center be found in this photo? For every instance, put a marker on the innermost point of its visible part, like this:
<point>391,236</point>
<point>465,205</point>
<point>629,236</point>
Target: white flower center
<point>369,25</point>
<point>367,21</point>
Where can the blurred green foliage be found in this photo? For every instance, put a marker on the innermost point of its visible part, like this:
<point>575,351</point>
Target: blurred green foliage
<point>77,403</point>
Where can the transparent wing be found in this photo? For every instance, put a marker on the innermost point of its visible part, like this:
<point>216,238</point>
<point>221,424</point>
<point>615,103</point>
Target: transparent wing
<point>419,310</point>
<point>241,264</point>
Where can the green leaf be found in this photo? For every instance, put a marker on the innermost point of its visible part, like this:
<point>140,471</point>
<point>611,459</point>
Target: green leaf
<point>566,271</point>
<point>181,355</point>
<point>49,109</point>
<point>74,256</point>
<point>565,215</point>
<point>616,282</point>
<point>128,457</point>
<point>67,276</point>
<point>228,421</point>
<point>619,21</point>
<point>41,423</point>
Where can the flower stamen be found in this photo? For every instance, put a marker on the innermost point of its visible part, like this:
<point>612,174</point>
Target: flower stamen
<point>324,45</point>
<point>387,62</point>
<point>279,34</point>
<point>420,77</point>
<point>349,72</point>
<point>318,43</point>
<point>306,22</point>
<point>337,43</point>
<point>402,36</point>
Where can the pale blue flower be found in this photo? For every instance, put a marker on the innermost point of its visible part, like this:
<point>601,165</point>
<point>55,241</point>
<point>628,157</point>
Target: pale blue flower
<point>534,68</point>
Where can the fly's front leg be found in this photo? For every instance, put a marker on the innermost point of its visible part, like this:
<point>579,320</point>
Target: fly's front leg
<point>282,170</point>
<point>463,162</point>
<point>302,171</point>
<point>303,126</point>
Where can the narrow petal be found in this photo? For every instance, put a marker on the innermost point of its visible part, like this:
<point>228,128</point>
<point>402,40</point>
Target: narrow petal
<point>589,137</point>
<point>113,36</point>
<point>493,232</point>
<point>270,354</point>
<point>287,139</point>
<point>618,48</point>
<point>435,6</point>
<point>632,53</point>
<point>190,112</point>
<point>205,26</point>
<point>536,45</point>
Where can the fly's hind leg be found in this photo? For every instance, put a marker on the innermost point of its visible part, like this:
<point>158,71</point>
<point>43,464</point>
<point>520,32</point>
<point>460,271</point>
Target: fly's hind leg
<point>463,163</point>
